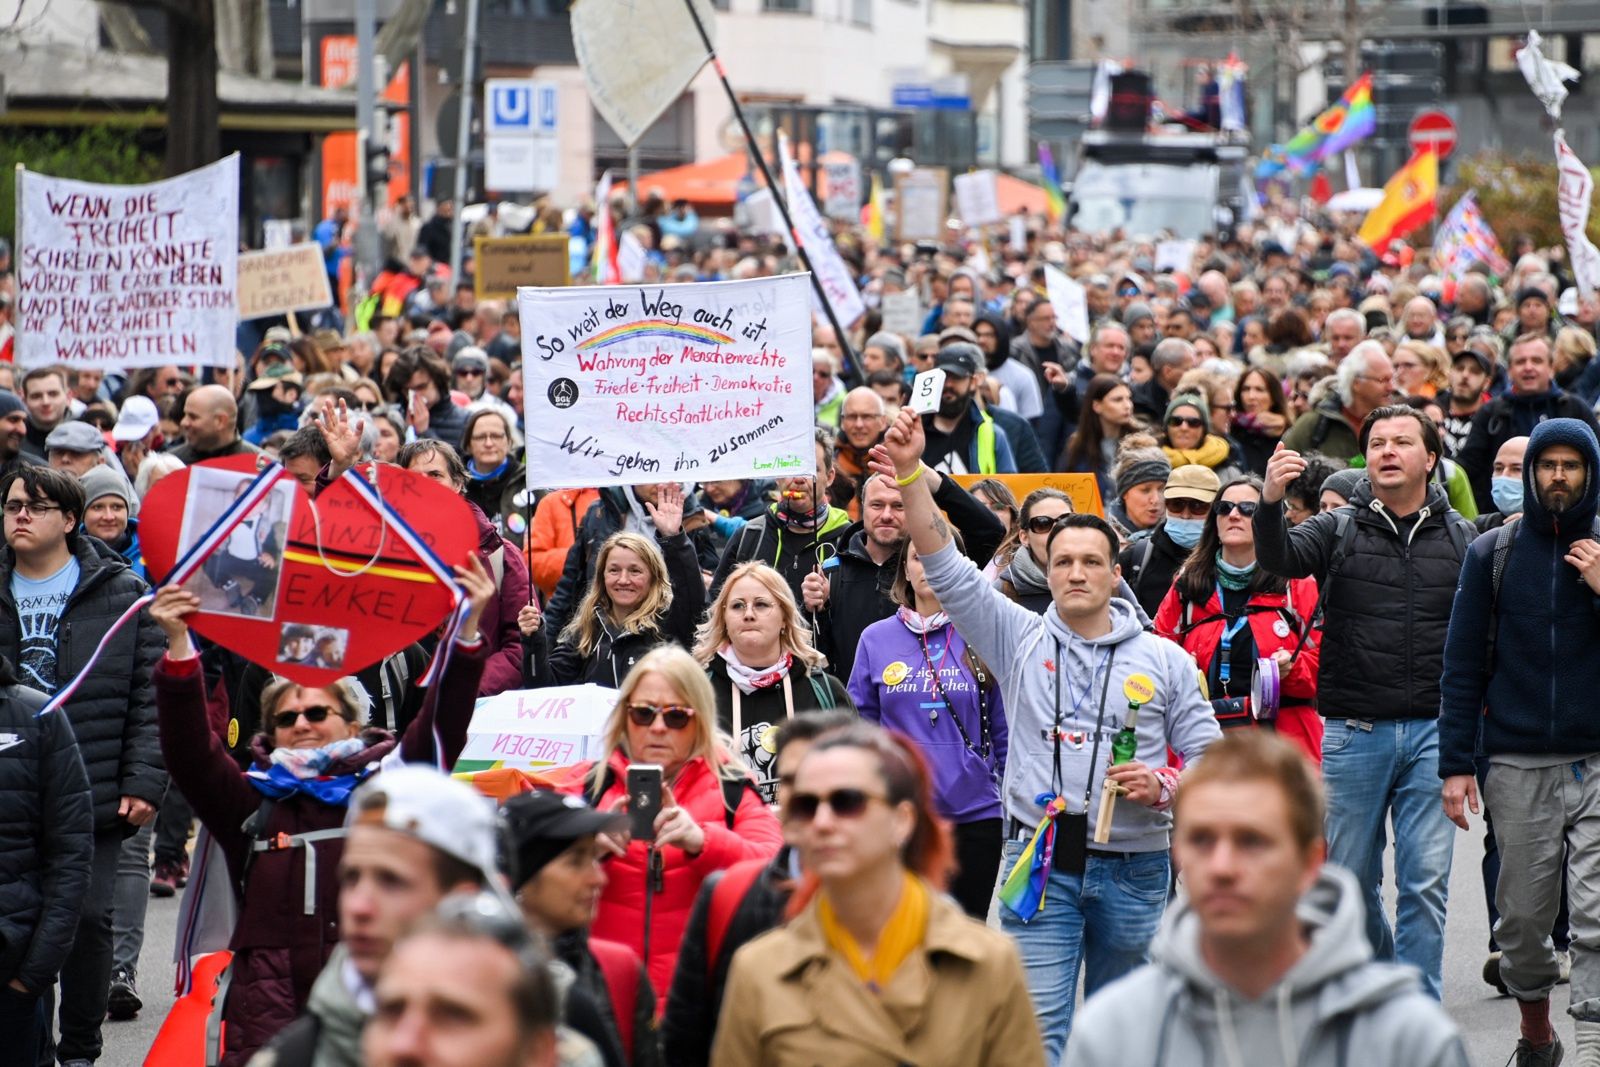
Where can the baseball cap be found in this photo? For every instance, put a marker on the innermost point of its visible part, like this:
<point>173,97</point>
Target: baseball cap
<point>283,372</point>
<point>75,437</point>
<point>1478,356</point>
<point>139,416</point>
<point>961,359</point>
<point>280,334</point>
<point>432,807</point>
<point>542,825</point>
<point>1193,482</point>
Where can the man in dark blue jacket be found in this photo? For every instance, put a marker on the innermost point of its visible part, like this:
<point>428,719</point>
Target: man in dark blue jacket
<point>1518,686</point>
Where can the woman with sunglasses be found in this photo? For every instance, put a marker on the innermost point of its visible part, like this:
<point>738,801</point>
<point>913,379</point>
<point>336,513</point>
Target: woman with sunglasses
<point>496,480</point>
<point>1227,612</point>
<point>764,669</point>
<point>711,815</point>
<point>876,966</point>
<point>917,676</point>
<point>1188,439</point>
<point>314,748</point>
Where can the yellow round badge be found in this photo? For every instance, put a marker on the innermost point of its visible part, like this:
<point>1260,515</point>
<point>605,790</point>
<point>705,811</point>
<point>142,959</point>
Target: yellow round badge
<point>895,673</point>
<point>233,733</point>
<point>1139,687</point>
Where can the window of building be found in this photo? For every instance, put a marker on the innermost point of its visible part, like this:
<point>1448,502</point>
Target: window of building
<point>798,7</point>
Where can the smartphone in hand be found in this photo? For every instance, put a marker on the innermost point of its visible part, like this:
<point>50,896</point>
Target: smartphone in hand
<point>644,800</point>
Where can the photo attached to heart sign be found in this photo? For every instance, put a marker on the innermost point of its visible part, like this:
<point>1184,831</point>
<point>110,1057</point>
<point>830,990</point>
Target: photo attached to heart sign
<point>313,591</point>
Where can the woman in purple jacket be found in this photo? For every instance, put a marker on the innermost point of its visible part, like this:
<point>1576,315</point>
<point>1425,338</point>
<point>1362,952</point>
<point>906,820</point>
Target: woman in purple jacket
<point>915,675</point>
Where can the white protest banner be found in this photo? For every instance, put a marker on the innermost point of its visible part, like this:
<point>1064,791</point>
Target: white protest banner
<point>279,281</point>
<point>1017,232</point>
<point>638,58</point>
<point>761,213</point>
<point>1574,191</point>
<point>123,276</point>
<point>695,382</point>
<point>921,198</point>
<point>902,313</point>
<point>978,198</point>
<point>832,273</point>
<point>1174,255</point>
<point>530,729</point>
<point>1071,304</point>
<point>842,199</point>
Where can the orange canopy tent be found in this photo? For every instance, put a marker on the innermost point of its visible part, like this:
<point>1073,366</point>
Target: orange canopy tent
<point>1017,195</point>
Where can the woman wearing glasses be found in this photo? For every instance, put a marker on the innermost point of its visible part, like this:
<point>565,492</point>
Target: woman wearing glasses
<point>917,676</point>
<point>1228,613</point>
<point>279,823</point>
<point>711,816</point>
<point>764,668</point>
<point>496,479</point>
<point>1187,438</point>
<point>876,966</point>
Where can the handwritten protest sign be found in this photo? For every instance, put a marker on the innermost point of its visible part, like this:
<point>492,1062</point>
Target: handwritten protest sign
<point>1071,304</point>
<point>533,728</point>
<point>695,382</point>
<point>842,200</point>
<point>1084,489</point>
<point>504,264</point>
<point>283,280</point>
<point>122,276</point>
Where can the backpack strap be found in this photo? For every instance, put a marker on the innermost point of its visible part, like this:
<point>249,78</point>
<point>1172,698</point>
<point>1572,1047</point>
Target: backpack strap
<point>733,790</point>
<point>305,842</point>
<point>727,893</point>
<point>822,691</point>
<point>1320,432</point>
<point>1142,558</point>
<point>1502,551</point>
<point>620,968</point>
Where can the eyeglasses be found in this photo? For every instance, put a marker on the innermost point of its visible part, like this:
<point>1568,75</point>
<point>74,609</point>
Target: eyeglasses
<point>1042,523</point>
<point>675,717</point>
<point>1544,466</point>
<point>17,507</point>
<point>1194,422</point>
<point>845,803</point>
<point>486,438</point>
<point>1246,508</point>
<point>285,720</point>
<point>1229,408</point>
<point>758,607</point>
<point>469,372</point>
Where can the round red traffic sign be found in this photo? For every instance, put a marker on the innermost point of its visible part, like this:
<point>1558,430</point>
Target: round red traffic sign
<point>1432,129</point>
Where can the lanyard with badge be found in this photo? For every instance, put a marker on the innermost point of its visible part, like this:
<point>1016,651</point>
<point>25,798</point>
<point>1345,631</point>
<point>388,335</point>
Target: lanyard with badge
<point>1070,852</point>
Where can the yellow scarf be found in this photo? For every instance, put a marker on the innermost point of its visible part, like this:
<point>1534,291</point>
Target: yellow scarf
<point>1213,453</point>
<point>900,936</point>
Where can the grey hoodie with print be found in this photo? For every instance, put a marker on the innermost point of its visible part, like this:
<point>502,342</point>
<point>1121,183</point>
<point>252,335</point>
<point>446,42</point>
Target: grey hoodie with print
<point>1334,1008</point>
<point>1041,664</point>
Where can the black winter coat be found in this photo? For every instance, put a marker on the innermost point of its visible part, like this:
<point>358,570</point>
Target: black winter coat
<point>766,708</point>
<point>689,1025</point>
<point>572,948</point>
<point>46,837</point>
<point>609,663</point>
<point>607,516</point>
<point>113,713</point>
<point>1388,607</point>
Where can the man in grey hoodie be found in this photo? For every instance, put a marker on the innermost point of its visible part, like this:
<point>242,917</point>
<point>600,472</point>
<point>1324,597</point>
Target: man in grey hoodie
<point>1263,960</point>
<point>1069,677</point>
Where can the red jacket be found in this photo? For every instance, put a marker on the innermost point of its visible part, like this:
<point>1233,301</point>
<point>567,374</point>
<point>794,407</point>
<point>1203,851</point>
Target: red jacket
<point>755,835</point>
<point>1297,719</point>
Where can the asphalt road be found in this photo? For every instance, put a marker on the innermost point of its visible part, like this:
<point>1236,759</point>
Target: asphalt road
<point>1487,1020</point>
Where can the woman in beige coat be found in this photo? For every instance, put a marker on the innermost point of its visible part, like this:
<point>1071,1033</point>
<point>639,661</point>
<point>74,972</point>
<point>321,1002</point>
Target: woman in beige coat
<point>877,968</point>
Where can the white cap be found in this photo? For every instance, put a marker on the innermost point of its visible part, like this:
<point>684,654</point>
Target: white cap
<point>432,807</point>
<point>139,416</point>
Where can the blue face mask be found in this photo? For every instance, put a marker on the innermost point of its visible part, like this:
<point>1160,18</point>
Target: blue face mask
<point>1507,494</point>
<point>1185,532</point>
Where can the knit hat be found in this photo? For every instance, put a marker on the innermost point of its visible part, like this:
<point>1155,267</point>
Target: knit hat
<point>1532,292</point>
<point>1134,314</point>
<point>1137,466</point>
<point>1190,400</point>
<point>470,356</point>
<point>10,403</point>
<point>101,481</point>
<point>1344,482</point>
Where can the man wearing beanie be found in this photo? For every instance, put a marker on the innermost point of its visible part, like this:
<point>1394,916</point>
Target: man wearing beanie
<point>469,370</point>
<point>1149,562</point>
<point>13,431</point>
<point>555,866</point>
<point>1534,315</point>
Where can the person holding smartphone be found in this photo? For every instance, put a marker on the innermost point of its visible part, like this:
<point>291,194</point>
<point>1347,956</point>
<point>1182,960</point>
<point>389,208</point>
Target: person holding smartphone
<point>662,752</point>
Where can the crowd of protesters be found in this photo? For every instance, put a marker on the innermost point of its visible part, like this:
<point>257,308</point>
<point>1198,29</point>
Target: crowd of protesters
<point>1346,499</point>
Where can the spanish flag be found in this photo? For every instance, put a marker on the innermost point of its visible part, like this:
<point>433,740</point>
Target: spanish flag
<point>1408,202</point>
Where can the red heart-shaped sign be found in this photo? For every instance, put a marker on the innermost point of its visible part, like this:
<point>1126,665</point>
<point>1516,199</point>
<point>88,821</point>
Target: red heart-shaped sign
<point>311,590</point>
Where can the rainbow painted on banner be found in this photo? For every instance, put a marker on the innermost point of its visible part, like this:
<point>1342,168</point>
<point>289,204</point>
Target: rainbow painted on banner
<point>655,328</point>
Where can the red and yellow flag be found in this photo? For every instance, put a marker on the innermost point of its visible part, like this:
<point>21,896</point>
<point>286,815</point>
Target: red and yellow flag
<point>1408,202</point>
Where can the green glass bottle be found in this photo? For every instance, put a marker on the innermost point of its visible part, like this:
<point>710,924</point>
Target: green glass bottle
<point>1126,743</point>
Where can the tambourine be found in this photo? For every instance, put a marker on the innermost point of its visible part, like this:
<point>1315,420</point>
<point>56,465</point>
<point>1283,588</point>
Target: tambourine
<point>1264,692</point>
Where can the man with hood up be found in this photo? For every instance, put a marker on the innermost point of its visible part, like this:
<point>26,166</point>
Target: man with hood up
<point>1518,687</point>
<point>1262,960</point>
<point>1071,678</point>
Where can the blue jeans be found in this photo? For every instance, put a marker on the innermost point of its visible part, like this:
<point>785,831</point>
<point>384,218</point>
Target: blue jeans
<point>1375,770</point>
<point>1103,919</point>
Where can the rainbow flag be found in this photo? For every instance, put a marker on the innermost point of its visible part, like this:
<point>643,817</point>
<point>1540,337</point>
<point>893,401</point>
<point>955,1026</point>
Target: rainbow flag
<point>1408,202</point>
<point>1352,119</point>
<point>1465,238</point>
<point>1052,183</point>
<point>1023,889</point>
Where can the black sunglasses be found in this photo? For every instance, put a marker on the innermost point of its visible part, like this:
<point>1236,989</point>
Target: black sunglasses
<point>676,718</point>
<point>1247,508</point>
<point>1194,422</point>
<point>845,803</point>
<point>1043,523</point>
<point>284,720</point>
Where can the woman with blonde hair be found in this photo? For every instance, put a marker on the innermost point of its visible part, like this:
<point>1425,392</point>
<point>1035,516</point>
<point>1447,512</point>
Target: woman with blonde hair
<point>1420,369</point>
<point>711,816</point>
<point>641,596</point>
<point>764,668</point>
